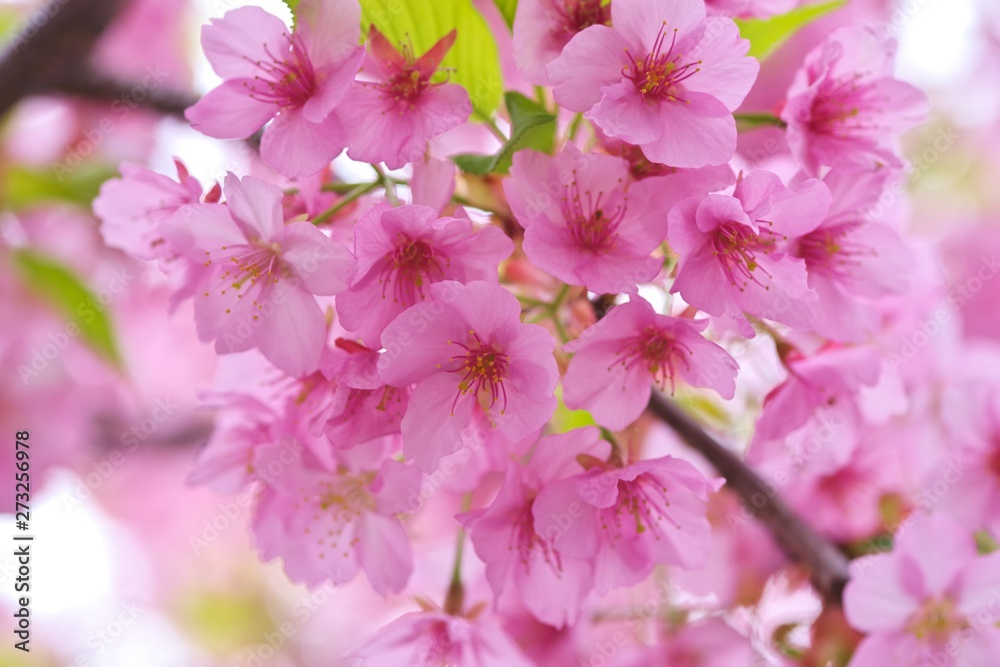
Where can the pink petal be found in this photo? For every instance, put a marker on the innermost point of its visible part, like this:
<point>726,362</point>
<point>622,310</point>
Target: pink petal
<point>384,553</point>
<point>940,547</point>
<point>228,112</point>
<point>333,85</point>
<point>594,58</point>
<point>292,336</point>
<point>330,30</point>
<point>323,265</point>
<point>698,133</point>
<point>241,38</point>
<point>875,599</point>
<point>640,22</point>
<point>625,114</point>
<point>432,429</point>
<point>256,204</point>
<point>725,72</point>
<point>296,147</point>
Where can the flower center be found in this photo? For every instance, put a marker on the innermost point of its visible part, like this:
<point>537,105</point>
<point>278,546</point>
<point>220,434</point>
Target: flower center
<point>287,80</point>
<point>642,505</point>
<point>656,351</point>
<point>737,245</point>
<point>836,108</point>
<point>409,267</point>
<point>581,14</point>
<point>483,367</point>
<point>658,74</point>
<point>524,540</point>
<point>592,223</point>
<point>830,252</point>
<point>342,499</point>
<point>246,265</point>
<point>936,620</point>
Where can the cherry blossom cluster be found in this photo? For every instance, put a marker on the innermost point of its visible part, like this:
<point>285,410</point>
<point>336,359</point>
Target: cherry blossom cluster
<point>440,354</point>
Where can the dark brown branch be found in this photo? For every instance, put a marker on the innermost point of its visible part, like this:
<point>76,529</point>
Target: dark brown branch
<point>52,41</point>
<point>91,86</point>
<point>826,564</point>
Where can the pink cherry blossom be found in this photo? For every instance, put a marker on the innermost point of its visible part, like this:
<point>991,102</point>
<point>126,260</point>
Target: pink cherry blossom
<point>543,27</point>
<point>295,80</point>
<point>845,109</point>
<point>932,601</point>
<point>433,638</point>
<point>851,259</point>
<point>371,409</point>
<point>132,207</point>
<point>470,358</point>
<point>731,257</point>
<point>584,222</point>
<point>620,358</point>
<point>258,291</point>
<point>326,525</point>
<point>401,252</point>
<point>823,390</point>
<point>392,118</point>
<point>628,519</point>
<point>663,77</point>
<point>520,561</point>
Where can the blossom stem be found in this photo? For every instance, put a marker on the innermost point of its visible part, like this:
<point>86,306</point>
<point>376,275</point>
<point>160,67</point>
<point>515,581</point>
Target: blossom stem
<point>826,564</point>
<point>493,128</point>
<point>753,120</point>
<point>358,190</point>
<point>454,599</point>
<point>388,183</point>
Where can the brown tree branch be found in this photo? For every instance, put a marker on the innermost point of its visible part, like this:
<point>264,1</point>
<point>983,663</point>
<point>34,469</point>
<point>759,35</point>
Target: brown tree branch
<point>49,44</point>
<point>826,564</point>
<point>92,86</point>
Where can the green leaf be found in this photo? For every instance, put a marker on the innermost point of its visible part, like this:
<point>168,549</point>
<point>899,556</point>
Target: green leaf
<point>63,290</point>
<point>508,8</point>
<point>564,419</point>
<point>531,126</point>
<point>473,62</point>
<point>766,35</point>
<point>292,4</point>
<point>26,187</point>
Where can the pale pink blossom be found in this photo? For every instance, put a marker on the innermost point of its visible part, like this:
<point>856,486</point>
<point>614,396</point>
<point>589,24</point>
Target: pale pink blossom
<point>262,275</point>
<point>932,601</point>
<point>629,519</point>
<point>474,364</point>
<point>619,360</point>
<point>391,118</point>
<point>852,259</point>
<point>731,256</point>
<point>401,252</point>
<point>584,222</point>
<point>521,562</point>
<point>663,77</point>
<point>293,79</point>
<point>845,108</point>
<point>327,524</point>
